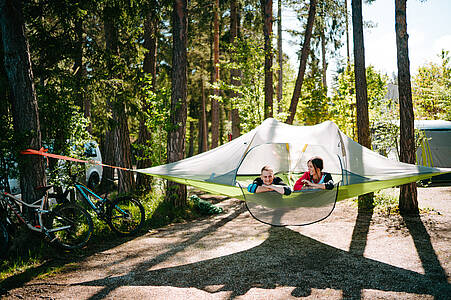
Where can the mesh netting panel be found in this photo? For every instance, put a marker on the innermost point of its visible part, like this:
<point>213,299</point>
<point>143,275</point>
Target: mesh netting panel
<point>299,208</point>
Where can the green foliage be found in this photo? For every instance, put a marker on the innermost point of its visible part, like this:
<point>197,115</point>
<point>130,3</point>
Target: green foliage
<point>249,58</point>
<point>431,90</point>
<point>343,109</point>
<point>7,151</point>
<point>165,213</point>
<point>314,103</point>
<point>205,207</point>
<point>386,201</point>
<point>154,110</point>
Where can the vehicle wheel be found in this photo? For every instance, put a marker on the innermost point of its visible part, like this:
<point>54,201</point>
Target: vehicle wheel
<point>125,216</point>
<point>70,226</point>
<point>4,240</point>
<point>93,180</point>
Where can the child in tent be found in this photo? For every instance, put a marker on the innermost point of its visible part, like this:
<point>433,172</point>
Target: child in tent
<point>267,182</point>
<point>315,178</point>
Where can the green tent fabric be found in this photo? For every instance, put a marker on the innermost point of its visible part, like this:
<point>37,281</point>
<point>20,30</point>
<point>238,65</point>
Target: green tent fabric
<point>228,169</point>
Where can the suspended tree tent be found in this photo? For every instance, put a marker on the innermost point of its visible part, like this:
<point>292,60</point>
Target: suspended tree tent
<point>230,168</point>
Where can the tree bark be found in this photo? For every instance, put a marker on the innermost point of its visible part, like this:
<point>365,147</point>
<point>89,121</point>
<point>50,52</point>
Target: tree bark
<point>204,131</point>
<point>191,139</point>
<point>408,202</point>
<point>120,134</point>
<point>24,104</point>
<point>123,153</point>
<point>303,62</point>
<point>365,202</point>
<point>348,57</point>
<point>323,48</point>
<point>267,31</point>
<point>235,74</point>
<point>81,73</point>
<point>149,67</point>
<point>176,193</point>
<point>280,56</point>
<point>214,101</point>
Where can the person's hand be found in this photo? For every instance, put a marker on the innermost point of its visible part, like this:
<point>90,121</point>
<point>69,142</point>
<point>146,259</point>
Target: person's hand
<point>268,187</point>
<point>306,182</point>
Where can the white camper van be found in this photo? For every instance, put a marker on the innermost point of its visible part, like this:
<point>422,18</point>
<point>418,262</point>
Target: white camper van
<point>93,172</point>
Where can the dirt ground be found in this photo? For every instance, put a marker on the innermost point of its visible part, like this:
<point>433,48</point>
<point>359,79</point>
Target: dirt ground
<point>233,256</point>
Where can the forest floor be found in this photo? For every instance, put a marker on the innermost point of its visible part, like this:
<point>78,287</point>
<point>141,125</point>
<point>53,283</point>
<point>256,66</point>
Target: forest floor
<point>233,256</point>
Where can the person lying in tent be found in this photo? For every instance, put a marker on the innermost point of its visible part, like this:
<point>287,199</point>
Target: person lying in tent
<point>314,178</point>
<point>267,182</point>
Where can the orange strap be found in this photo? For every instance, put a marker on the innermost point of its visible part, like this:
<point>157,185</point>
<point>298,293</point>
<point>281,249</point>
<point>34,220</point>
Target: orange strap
<point>43,152</point>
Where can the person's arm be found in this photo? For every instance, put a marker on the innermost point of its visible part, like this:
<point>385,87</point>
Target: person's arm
<point>273,187</point>
<point>264,188</point>
<point>279,186</point>
<point>314,185</point>
<point>300,182</point>
<point>329,183</point>
<point>253,187</point>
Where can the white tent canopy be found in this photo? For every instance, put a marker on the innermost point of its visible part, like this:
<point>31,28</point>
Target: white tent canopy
<point>281,146</point>
<point>229,168</point>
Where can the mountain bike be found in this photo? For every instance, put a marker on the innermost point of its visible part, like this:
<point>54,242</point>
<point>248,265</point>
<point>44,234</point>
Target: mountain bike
<point>125,215</point>
<point>67,226</point>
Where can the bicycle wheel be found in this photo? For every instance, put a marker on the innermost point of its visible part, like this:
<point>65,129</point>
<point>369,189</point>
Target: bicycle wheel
<point>125,216</point>
<point>4,240</point>
<point>70,226</point>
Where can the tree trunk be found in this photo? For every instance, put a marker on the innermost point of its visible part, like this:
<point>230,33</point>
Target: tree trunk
<point>176,193</point>
<point>267,30</point>
<point>123,153</point>
<point>191,139</point>
<point>204,142</point>
<point>323,52</point>
<point>303,62</point>
<point>235,74</point>
<point>363,124</point>
<point>108,145</point>
<point>110,142</point>
<point>24,105</point>
<point>78,61</point>
<point>280,56</point>
<point>120,130</point>
<point>348,57</point>
<point>214,101</point>
<point>150,67</point>
<point>408,202</point>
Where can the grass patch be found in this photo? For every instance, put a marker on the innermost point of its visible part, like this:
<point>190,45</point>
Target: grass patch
<point>386,201</point>
<point>31,257</point>
<point>160,213</point>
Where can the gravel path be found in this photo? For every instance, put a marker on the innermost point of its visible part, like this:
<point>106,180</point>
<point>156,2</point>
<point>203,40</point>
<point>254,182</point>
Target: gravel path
<point>232,256</point>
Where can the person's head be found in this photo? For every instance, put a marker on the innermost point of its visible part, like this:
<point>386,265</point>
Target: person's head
<point>315,165</point>
<point>267,175</point>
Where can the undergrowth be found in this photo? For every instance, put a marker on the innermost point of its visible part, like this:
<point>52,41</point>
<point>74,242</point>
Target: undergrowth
<point>387,202</point>
<point>31,252</point>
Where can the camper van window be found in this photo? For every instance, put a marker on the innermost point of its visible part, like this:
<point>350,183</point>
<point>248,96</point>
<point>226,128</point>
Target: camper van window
<point>90,150</point>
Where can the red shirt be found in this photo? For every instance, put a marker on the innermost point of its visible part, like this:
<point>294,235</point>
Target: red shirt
<point>299,184</point>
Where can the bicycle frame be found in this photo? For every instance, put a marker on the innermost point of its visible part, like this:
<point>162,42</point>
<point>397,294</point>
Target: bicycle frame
<point>37,206</point>
<point>85,192</point>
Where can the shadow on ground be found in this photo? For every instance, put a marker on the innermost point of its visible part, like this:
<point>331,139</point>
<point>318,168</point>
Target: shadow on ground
<point>58,260</point>
<point>296,261</point>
